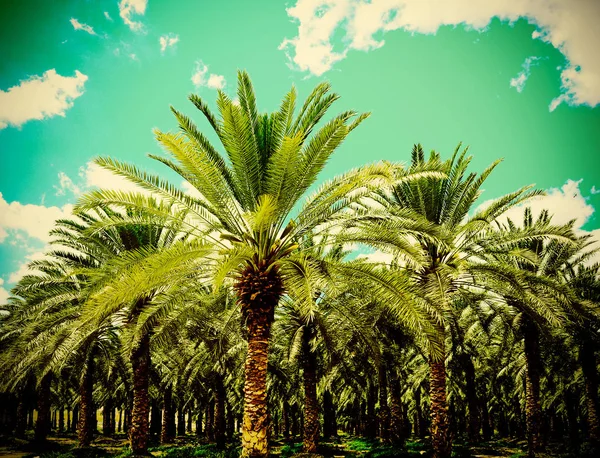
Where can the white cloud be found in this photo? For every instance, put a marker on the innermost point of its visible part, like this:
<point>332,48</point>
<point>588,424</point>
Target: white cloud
<point>107,16</point>
<point>569,25</point>
<point>4,295</point>
<point>564,204</point>
<point>518,82</point>
<point>79,26</point>
<point>66,184</point>
<point>201,77</point>
<point>594,190</point>
<point>40,97</point>
<point>23,268</point>
<point>168,40</point>
<point>94,176</point>
<point>128,8</point>
<point>34,221</point>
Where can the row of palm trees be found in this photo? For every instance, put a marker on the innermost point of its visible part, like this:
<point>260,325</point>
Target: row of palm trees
<point>222,297</point>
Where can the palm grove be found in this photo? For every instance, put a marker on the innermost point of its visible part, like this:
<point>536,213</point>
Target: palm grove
<point>241,310</point>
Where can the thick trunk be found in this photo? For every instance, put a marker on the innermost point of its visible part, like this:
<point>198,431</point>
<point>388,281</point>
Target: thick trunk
<point>587,359</point>
<point>286,419</point>
<point>532,404</point>
<point>75,420</point>
<point>42,425</point>
<point>189,422</point>
<point>259,290</point>
<point>181,421</point>
<point>310,439</point>
<point>85,428</point>
<point>199,421</point>
<point>219,425</point>
<point>397,427</point>
<point>106,417</point>
<point>329,416</point>
<point>138,431</point>
<point>384,410</point>
<point>210,420</point>
<point>155,418</point>
<point>61,419</point>
<point>472,401</point>
<point>166,433</point>
<point>21,423</point>
<point>255,423</point>
<point>440,431</point>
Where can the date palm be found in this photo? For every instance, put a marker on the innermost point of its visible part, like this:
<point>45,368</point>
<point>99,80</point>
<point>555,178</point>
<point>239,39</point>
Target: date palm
<point>239,219</point>
<point>441,257</point>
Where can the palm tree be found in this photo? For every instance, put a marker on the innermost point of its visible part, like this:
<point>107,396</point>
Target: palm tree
<point>240,220</point>
<point>440,257</point>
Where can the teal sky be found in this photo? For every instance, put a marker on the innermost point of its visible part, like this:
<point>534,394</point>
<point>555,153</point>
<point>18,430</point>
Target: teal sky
<point>434,88</point>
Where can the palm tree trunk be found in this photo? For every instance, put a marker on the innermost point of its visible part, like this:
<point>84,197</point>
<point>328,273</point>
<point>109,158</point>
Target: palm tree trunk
<point>138,431</point>
<point>587,359</point>
<point>181,421</point>
<point>255,423</point>
<point>42,425</point>
<point>329,416</point>
<point>286,420</point>
<point>219,411</point>
<point>473,425</point>
<point>106,417</point>
<point>210,421</point>
<point>397,426</point>
<point>440,428</point>
<point>21,421</point>
<point>310,437</point>
<point>259,291</point>
<point>85,429</point>
<point>384,410</point>
<point>166,435</point>
<point>533,409</point>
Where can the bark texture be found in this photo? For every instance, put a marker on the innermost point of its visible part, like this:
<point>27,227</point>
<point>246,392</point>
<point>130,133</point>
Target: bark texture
<point>85,428</point>
<point>384,410</point>
<point>533,410</point>
<point>166,435</point>
<point>42,425</point>
<point>473,425</point>
<point>258,291</point>
<point>397,426</point>
<point>219,411</point>
<point>440,428</point>
<point>310,439</point>
<point>139,430</point>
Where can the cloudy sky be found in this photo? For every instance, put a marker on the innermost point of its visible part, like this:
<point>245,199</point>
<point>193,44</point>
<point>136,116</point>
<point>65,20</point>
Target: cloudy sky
<point>513,79</point>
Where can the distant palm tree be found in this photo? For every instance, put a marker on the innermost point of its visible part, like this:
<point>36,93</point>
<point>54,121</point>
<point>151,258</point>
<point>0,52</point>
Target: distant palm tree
<point>437,254</point>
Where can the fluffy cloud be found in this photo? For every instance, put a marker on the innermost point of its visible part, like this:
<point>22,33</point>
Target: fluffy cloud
<point>168,40</point>
<point>66,184</point>
<point>40,97</point>
<point>201,77</point>
<point>35,221</point>
<point>128,8</point>
<point>79,26</point>
<point>94,176</point>
<point>518,82</point>
<point>4,295</point>
<point>569,25</point>
<point>107,16</point>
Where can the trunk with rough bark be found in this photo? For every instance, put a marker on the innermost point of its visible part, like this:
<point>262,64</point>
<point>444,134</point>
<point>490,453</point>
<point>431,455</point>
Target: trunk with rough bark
<point>21,423</point>
<point>384,410</point>
<point>189,422</point>
<point>587,359</point>
<point>107,417</point>
<point>310,439</point>
<point>329,416</point>
<point>259,290</point>
<point>210,420</point>
<point>219,425</point>
<point>533,409</point>
<point>140,363</point>
<point>85,428</point>
<point>199,421</point>
<point>180,421</point>
<point>166,435</point>
<point>155,418</point>
<point>286,420</point>
<point>472,401</point>
<point>440,428</point>
<point>42,425</point>
<point>397,427</point>
<point>61,419</point>
<point>75,420</point>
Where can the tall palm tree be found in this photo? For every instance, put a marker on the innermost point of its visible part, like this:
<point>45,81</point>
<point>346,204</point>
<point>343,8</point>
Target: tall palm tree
<point>240,218</point>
